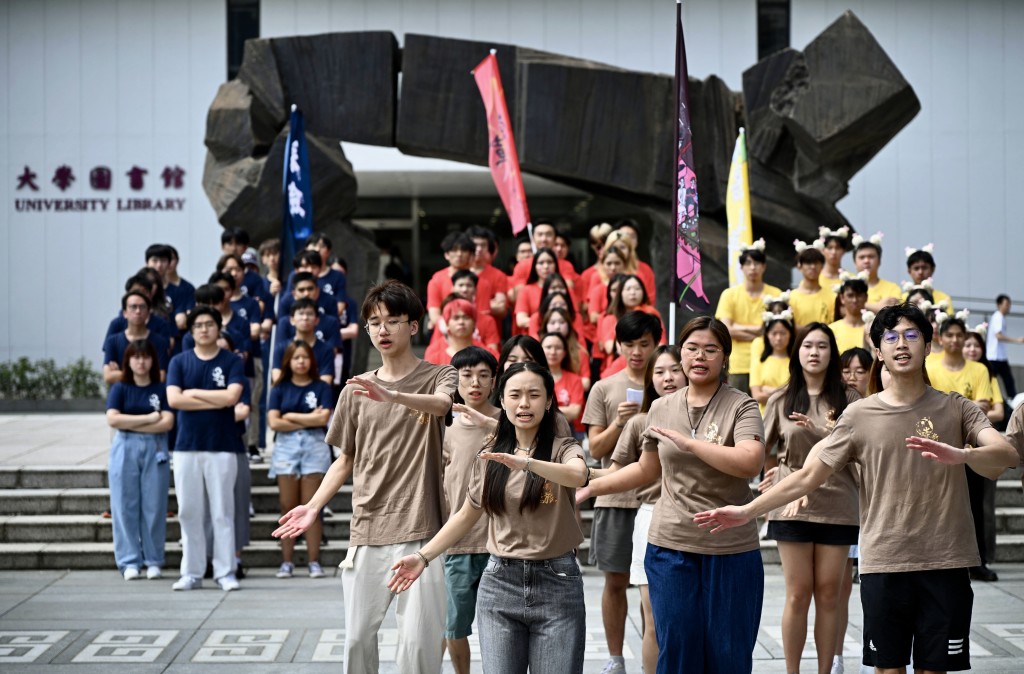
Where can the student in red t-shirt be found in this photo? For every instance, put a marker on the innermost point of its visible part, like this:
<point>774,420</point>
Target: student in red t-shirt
<point>458,251</point>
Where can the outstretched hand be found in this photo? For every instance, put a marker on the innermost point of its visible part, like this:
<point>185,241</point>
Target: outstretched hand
<point>477,417</point>
<point>805,421</point>
<point>513,461</point>
<point>582,494</point>
<point>937,451</point>
<point>721,518</point>
<point>673,436</point>
<point>769,480</point>
<point>793,508</point>
<point>295,522</point>
<point>407,570</point>
<point>372,390</point>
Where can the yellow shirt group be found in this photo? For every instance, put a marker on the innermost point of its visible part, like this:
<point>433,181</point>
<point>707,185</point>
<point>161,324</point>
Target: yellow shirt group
<point>848,336</point>
<point>737,305</point>
<point>772,372</point>
<point>815,307</point>
<point>883,289</point>
<point>972,381</point>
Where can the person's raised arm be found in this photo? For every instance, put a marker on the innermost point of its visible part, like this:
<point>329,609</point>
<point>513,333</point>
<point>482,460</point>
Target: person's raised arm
<point>301,517</point>
<point>572,474</point>
<point>434,404</point>
<point>409,568</point>
<point>643,472</point>
<point>990,459</point>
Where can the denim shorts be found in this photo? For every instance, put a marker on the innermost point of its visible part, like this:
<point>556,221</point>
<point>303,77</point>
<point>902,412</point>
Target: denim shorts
<point>461,579</point>
<point>300,453</point>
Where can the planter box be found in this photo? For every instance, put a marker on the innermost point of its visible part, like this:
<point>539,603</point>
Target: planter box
<point>72,405</point>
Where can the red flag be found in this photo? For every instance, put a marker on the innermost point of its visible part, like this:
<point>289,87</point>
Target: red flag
<point>501,152</point>
<point>689,286</point>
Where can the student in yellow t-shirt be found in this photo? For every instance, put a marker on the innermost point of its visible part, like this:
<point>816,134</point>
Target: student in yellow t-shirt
<point>769,356</point>
<point>850,329</point>
<point>740,308</point>
<point>810,302</point>
<point>835,243</point>
<point>974,350</point>
<point>867,255</point>
<point>921,267</point>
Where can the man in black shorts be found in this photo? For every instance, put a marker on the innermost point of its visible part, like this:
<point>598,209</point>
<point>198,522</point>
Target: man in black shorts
<point>917,536</point>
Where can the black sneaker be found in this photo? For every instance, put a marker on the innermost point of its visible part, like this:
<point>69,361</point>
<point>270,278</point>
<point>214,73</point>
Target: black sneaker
<point>984,574</point>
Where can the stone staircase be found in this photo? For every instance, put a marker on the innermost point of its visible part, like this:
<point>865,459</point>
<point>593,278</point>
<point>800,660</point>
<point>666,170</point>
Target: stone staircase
<point>50,518</point>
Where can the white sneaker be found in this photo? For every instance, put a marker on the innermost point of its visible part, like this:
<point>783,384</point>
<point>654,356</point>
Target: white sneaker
<point>154,573</point>
<point>286,570</point>
<point>186,583</point>
<point>614,667</point>
<point>837,666</point>
<point>131,573</point>
<point>228,583</point>
<point>315,570</point>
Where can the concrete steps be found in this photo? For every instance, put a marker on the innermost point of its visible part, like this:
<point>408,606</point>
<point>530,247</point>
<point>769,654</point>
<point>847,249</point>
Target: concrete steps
<point>50,518</point>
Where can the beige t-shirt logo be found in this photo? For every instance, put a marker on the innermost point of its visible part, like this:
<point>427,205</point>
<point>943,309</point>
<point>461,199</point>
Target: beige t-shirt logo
<point>711,435</point>
<point>830,420</point>
<point>548,497</point>
<point>926,429</point>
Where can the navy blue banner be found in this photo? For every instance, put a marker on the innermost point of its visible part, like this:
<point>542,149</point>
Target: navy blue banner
<point>297,224</point>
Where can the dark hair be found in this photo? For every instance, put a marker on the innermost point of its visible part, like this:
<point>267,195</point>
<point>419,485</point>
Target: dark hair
<point>833,390</point>
<point>533,264</point>
<point>547,299</point>
<point>767,349</point>
<point>888,317</point>
<point>301,276</point>
<point>228,339</point>
<point>321,238</point>
<point>479,232</point>
<point>135,293</point>
<point>843,241</point>
<point>753,254</point>
<point>398,298</point>
<point>628,222</point>
<point>308,258</point>
<point>577,352</point>
<point>984,356</point>
<point>210,295</point>
<point>615,305</point>
<point>546,223</point>
<point>920,256</point>
<point>286,360</point>
<point>650,393</point>
<point>566,363</point>
<point>1001,298</point>
<point>858,286</point>
<point>635,324</point>
<point>505,442</point>
<point>304,303</point>
<point>270,247</point>
<point>528,344</point>
<point>234,235</point>
<point>810,255</point>
<point>545,288</point>
<point>868,244</point>
<point>143,347</point>
<point>223,261</point>
<point>471,356</point>
<point>923,292</point>
<point>465,273</point>
<point>860,354</point>
<point>217,276</point>
<point>159,304</point>
<point>719,329</point>
<point>614,283</point>
<point>173,251</point>
<point>203,310</point>
<point>458,241</point>
<point>139,280</point>
<point>950,322</point>
<point>160,251</point>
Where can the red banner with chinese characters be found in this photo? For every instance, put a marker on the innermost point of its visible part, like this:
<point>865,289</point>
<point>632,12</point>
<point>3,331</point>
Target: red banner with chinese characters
<point>501,152</point>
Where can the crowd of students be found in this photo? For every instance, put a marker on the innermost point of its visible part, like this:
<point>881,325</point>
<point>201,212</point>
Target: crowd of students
<point>477,451</point>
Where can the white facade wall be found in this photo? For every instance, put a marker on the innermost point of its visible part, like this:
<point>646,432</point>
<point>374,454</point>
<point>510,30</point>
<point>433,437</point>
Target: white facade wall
<point>123,83</point>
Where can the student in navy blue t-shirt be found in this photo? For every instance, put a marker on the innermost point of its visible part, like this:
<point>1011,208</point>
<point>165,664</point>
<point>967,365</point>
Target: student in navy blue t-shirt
<point>304,319</point>
<point>139,461</point>
<point>211,295</point>
<point>298,411</point>
<point>135,309</point>
<point>332,281</point>
<point>204,384</point>
<point>328,329</point>
<point>181,292</point>
<point>156,323</point>
<point>298,287</point>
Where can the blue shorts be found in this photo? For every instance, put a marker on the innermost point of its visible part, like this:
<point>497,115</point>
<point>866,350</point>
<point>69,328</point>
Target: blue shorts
<point>300,453</point>
<point>461,580</point>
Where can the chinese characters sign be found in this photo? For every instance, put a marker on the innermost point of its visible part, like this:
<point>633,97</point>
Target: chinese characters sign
<point>102,179</point>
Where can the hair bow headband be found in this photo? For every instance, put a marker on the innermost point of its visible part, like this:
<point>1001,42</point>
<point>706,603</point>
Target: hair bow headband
<point>867,316</point>
<point>875,238</point>
<point>784,297</point>
<point>784,315</point>
<point>910,286</point>
<point>929,248</point>
<point>980,328</point>
<point>841,233</point>
<point>757,245</point>
<point>801,246</point>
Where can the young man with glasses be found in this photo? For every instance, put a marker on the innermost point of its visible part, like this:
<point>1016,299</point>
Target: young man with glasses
<point>917,537</point>
<point>204,384</point>
<point>389,425</point>
<point>135,307</point>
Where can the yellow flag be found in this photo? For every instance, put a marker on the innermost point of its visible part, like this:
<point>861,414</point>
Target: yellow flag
<point>737,207</point>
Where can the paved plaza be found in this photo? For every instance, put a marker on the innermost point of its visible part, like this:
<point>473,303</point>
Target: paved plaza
<point>93,621</point>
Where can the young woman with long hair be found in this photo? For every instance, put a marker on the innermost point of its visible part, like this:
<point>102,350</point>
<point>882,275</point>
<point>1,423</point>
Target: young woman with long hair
<point>545,263</point>
<point>568,384</point>
<point>974,349</point>
<point>814,539</point>
<point>525,484</point>
<point>299,410</point>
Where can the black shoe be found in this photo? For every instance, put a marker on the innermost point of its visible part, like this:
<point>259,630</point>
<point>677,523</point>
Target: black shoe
<point>984,574</point>
<point>209,569</point>
<point>239,570</point>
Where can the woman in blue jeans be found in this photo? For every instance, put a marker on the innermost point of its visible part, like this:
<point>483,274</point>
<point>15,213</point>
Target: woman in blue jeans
<point>298,411</point>
<point>139,462</point>
<point>704,442</point>
<point>530,601</point>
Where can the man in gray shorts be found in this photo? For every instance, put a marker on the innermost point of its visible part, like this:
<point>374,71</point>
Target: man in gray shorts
<point>611,538</point>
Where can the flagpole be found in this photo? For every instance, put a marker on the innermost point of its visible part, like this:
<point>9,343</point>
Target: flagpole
<point>675,297</point>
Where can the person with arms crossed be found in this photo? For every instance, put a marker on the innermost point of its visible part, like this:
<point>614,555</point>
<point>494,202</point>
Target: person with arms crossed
<point>917,538</point>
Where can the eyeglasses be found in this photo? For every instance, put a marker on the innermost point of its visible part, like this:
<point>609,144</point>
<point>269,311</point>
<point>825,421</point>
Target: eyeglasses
<point>373,327</point>
<point>206,325</point>
<point>859,372</point>
<point>480,377</point>
<point>137,307</point>
<point>892,337</point>
<point>707,351</point>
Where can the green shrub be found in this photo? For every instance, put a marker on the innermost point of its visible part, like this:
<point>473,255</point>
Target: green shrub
<point>44,380</point>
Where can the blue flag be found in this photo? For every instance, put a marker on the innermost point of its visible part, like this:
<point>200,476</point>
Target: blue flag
<point>297,224</point>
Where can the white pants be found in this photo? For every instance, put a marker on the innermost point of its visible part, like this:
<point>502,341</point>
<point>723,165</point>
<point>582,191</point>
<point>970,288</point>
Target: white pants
<point>421,609</point>
<point>205,482</point>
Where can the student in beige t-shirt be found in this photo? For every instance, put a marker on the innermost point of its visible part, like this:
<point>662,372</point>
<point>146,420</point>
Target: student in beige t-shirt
<point>917,539</point>
<point>530,602</point>
<point>814,541</point>
<point>705,442</point>
<point>389,425</point>
<point>664,377</point>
